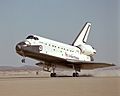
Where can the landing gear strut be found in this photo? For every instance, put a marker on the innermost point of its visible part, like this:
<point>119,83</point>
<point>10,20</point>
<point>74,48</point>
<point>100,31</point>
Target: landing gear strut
<point>23,60</point>
<point>53,74</point>
<point>76,68</point>
<point>50,67</point>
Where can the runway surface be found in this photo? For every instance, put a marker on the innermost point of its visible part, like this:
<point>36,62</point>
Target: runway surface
<point>59,86</point>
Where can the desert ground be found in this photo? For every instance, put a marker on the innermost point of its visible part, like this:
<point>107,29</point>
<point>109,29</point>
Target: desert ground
<point>60,86</point>
<point>27,83</point>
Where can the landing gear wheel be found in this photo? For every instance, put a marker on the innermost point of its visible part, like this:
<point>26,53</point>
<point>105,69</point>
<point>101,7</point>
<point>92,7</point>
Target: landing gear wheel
<point>53,75</point>
<point>75,75</point>
<point>23,60</point>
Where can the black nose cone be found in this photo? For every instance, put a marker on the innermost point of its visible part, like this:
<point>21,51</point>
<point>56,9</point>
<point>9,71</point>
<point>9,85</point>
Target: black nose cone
<point>18,47</point>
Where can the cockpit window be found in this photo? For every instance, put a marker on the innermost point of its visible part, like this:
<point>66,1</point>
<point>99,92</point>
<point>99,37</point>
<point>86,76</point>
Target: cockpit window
<point>32,37</point>
<point>36,38</point>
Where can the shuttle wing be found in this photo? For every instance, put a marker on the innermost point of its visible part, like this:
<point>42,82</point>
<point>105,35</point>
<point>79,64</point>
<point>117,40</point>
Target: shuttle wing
<point>89,64</point>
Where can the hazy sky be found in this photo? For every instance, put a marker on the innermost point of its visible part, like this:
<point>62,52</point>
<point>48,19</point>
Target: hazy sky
<point>60,20</point>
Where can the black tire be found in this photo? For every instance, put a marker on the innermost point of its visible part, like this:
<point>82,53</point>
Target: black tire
<point>53,75</point>
<point>75,75</point>
<point>23,60</point>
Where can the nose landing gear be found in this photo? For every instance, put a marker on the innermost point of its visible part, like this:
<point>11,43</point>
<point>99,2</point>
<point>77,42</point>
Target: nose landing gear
<point>23,60</point>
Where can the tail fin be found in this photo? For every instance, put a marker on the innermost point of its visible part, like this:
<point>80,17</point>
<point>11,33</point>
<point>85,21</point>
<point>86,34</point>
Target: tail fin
<point>83,35</point>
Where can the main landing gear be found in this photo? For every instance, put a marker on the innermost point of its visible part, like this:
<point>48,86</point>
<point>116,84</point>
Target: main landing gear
<point>75,74</point>
<point>53,75</point>
<point>49,68</point>
<point>76,68</point>
<point>53,68</point>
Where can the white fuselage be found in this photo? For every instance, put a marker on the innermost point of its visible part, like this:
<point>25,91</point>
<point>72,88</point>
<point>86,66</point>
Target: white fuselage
<point>57,49</point>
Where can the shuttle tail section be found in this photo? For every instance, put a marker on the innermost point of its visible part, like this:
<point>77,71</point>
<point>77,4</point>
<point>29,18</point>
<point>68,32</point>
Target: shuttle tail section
<point>83,35</point>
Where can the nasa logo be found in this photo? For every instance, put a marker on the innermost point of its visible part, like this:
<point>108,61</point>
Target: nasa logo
<point>40,47</point>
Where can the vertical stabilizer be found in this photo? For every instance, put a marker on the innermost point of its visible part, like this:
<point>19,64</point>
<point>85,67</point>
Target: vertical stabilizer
<point>83,35</point>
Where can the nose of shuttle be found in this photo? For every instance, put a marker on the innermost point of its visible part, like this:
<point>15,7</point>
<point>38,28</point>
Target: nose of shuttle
<point>19,46</point>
